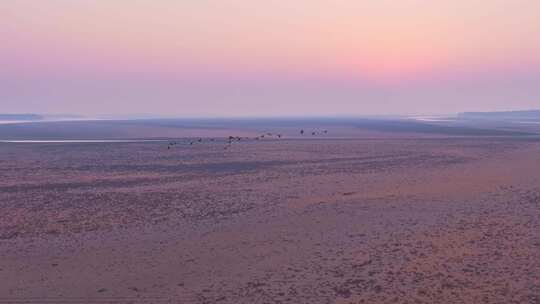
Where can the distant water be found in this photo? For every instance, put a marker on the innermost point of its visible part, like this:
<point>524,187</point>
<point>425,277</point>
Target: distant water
<point>5,122</point>
<point>22,121</point>
<point>75,141</point>
<point>431,118</point>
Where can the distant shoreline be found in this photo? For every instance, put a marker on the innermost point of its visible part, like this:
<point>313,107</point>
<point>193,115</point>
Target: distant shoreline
<point>74,141</point>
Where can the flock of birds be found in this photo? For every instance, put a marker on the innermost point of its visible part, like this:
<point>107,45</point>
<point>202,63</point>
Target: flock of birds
<point>232,139</point>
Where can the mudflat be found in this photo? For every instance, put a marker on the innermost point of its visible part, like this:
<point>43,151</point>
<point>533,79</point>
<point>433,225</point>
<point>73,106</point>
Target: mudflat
<point>299,220</point>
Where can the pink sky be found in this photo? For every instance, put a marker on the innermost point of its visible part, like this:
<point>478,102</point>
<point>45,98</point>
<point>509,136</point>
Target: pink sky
<point>232,57</point>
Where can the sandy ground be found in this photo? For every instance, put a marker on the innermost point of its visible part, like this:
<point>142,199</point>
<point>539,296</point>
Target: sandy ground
<point>448,220</point>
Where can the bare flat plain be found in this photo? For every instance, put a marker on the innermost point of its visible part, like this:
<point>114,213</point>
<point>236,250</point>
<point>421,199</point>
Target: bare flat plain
<point>381,217</point>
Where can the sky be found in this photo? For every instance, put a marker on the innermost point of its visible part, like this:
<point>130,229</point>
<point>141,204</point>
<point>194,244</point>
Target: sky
<point>268,58</point>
